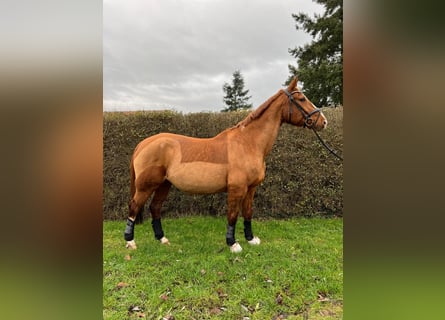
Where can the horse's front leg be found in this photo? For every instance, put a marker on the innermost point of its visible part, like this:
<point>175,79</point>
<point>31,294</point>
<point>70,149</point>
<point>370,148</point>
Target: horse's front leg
<point>235,197</point>
<point>247,215</point>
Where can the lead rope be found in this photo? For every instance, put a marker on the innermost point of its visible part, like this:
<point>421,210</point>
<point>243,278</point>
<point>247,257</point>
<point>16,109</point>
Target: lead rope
<point>326,146</point>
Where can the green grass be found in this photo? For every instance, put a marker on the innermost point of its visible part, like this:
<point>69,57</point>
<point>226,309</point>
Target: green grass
<point>296,272</point>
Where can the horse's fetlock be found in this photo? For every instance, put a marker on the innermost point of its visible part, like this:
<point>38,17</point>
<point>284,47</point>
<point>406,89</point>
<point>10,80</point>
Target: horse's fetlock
<point>157,228</point>
<point>254,241</point>
<point>235,248</point>
<point>248,234</point>
<point>230,241</point>
<point>230,235</point>
<point>131,245</point>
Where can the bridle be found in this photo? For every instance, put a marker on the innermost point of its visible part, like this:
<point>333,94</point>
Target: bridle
<point>307,116</point>
<point>307,119</point>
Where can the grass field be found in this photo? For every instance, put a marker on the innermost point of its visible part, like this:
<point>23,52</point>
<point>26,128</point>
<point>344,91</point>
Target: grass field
<point>296,272</point>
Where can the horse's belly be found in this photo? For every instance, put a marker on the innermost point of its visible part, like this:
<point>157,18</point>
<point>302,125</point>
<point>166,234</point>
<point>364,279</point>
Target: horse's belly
<point>199,177</point>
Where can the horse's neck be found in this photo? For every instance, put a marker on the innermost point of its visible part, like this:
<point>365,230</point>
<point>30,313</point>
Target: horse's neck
<point>264,130</point>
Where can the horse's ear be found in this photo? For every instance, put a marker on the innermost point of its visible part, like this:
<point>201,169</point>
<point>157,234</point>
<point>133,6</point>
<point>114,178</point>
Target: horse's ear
<point>292,84</point>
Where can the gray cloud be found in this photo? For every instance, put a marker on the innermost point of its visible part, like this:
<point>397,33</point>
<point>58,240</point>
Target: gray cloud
<point>178,54</point>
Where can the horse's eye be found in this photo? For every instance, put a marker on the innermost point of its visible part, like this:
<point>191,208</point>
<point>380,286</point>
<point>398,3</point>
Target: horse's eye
<point>302,99</point>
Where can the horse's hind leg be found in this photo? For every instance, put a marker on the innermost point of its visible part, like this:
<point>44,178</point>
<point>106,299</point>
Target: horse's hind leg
<point>155,209</point>
<point>247,215</point>
<point>148,181</point>
<point>134,207</point>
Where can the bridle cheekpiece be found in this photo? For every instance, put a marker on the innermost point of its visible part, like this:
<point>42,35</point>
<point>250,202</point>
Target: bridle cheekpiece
<point>307,116</point>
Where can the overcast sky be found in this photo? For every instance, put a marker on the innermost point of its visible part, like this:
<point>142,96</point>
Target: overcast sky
<point>177,54</point>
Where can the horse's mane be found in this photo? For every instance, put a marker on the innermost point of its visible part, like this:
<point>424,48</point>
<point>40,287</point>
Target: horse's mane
<point>257,112</point>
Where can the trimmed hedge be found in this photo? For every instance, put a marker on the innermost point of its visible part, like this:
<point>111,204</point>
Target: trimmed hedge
<point>302,177</point>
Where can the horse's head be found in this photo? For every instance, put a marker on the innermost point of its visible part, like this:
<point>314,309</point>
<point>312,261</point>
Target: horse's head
<point>300,111</point>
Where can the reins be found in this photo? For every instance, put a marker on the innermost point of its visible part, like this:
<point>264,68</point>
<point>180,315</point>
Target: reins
<point>308,123</point>
<point>326,146</point>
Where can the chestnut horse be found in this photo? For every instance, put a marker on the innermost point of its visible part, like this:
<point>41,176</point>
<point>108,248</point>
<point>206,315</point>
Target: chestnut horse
<point>232,162</point>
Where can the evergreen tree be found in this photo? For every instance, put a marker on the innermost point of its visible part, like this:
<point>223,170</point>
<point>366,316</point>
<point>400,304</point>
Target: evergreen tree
<point>236,97</point>
<point>320,63</point>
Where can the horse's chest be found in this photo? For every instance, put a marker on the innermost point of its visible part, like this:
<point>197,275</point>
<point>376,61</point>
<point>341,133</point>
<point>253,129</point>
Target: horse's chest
<point>256,174</point>
<point>252,174</point>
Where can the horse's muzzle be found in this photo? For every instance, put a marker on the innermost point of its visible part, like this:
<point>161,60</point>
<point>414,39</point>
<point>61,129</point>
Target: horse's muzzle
<point>319,123</point>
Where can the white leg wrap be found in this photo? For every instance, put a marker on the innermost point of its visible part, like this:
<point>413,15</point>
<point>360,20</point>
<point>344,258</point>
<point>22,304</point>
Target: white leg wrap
<point>131,245</point>
<point>255,241</point>
<point>164,240</point>
<point>235,248</point>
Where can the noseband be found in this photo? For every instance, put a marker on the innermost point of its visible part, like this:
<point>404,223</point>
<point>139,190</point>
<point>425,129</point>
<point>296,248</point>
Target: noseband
<point>307,116</point>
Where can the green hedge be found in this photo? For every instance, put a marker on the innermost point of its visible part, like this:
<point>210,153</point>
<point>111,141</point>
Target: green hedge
<point>302,178</point>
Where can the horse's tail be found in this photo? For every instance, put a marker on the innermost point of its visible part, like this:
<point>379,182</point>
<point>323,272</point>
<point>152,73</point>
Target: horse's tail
<point>139,217</point>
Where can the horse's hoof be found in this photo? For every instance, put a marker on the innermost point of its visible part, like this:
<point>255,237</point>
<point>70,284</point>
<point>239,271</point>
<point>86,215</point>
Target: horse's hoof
<point>255,241</point>
<point>164,240</point>
<point>235,248</point>
<point>131,245</point>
